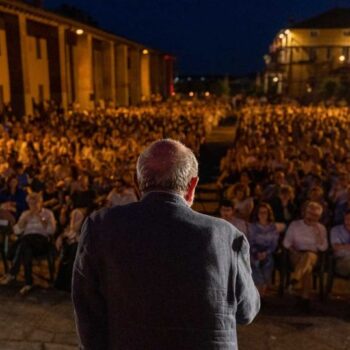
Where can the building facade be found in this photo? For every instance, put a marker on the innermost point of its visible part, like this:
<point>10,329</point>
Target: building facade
<point>307,55</point>
<point>45,56</point>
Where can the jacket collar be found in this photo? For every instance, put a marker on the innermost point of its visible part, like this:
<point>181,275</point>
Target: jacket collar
<point>164,196</point>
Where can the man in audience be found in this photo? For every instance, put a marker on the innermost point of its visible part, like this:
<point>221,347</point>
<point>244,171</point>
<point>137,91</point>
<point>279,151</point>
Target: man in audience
<point>35,226</point>
<point>304,239</point>
<point>340,240</point>
<point>227,212</point>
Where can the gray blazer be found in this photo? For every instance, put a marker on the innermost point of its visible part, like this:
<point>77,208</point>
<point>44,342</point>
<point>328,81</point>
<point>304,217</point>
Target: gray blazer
<point>156,275</point>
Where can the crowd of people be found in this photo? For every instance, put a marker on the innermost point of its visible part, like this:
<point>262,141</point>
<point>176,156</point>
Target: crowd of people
<point>286,185</point>
<point>55,168</point>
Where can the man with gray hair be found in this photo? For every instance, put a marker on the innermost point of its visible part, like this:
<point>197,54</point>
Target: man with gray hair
<point>156,275</point>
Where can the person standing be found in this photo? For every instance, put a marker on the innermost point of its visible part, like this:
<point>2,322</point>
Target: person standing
<point>157,275</point>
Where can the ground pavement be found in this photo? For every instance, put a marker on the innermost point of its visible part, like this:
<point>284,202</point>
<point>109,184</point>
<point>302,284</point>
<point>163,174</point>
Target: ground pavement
<point>43,320</point>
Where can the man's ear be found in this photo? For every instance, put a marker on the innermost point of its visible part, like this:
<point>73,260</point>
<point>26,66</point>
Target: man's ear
<point>189,195</point>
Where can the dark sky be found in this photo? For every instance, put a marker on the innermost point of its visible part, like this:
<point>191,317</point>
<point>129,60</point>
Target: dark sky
<point>207,36</point>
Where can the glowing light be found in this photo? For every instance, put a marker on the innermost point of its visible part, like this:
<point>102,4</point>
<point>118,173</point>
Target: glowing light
<point>275,79</point>
<point>191,94</point>
<point>281,36</point>
<point>79,31</point>
<point>341,58</point>
<point>145,52</point>
<point>189,79</point>
<point>207,94</point>
<point>309,89</point>
<point>202,78</point>
<point>173,93</point>
<point>287,32</point>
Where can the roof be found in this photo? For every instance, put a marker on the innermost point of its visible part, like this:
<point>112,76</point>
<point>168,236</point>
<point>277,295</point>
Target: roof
<point>24,6</point>
<point>334,18</point>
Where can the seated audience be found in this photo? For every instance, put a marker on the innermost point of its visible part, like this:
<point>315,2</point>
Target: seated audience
<point>34,228</point>
<point>340,241</point>
<point>304,239</point>
<point>263,236</point>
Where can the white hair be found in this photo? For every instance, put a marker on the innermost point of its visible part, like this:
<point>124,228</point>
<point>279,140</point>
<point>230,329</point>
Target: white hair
<point>166,165</point>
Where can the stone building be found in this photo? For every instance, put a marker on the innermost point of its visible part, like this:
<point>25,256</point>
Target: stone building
<point>306,55</point>
<point>46,56</point>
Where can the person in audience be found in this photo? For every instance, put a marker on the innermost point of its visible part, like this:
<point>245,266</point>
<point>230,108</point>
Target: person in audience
<point>121,194</point>
<point>239,194</point>
<point>263,237</point>
<point>227,212</point>
<point>283,206</point>
<point>67,244</point>
<point>13,197</point>
<point>34,228</point>
<point>340,241</point>
<point>304,239</point>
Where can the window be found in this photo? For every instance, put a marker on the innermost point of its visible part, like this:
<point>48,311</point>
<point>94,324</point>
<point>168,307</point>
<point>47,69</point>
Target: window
<point>345,52</point>
<point>38,48</point>
<point>329,53</point>
<point>346,33</point>
<point>312,54</point>
<point>314,33</point>
<point>41,93</point>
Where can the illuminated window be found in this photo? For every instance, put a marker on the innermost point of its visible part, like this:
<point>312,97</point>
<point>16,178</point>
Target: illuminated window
<point>312,54</point>
<point>38,48</point>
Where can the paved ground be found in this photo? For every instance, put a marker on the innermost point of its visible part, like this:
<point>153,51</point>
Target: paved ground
<point>43,320</point>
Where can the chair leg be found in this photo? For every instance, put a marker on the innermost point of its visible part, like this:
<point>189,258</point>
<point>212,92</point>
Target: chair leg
<point>4,260</point>
<point>51,266</point>
<point>282,283</point>
<point>321,282</point>
<point>329,284</point>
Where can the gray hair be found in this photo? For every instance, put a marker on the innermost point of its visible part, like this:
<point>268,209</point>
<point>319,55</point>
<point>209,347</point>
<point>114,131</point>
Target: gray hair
<point>166,165</point>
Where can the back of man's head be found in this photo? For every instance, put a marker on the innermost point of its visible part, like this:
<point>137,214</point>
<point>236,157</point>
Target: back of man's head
<point>166,165</point>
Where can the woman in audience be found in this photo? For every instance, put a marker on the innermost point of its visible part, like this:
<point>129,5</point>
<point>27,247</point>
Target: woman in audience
<point>263,236</point>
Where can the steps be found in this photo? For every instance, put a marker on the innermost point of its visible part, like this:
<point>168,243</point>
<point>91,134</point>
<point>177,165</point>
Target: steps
<point>221,138</point>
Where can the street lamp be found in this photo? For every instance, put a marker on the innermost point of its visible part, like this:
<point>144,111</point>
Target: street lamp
<point>79,31</point>
<point>145,52</point>
<point>341,58</point>
<point>275,79</point>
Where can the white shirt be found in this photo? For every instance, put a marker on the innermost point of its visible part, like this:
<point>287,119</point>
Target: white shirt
<point>301,236</point>
<point>126,197</point>
<point>43,223</point>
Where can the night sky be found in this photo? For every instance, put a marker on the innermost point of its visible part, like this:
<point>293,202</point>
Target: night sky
<point>206,36</point>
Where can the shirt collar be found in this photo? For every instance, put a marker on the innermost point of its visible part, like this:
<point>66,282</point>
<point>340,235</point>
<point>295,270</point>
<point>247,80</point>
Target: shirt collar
<point>166,196</point>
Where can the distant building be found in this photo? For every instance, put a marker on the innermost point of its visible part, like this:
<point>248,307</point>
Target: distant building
<point>46,56</point>
<point>306,55</point>
<point>219,85</point>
